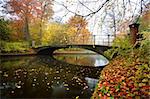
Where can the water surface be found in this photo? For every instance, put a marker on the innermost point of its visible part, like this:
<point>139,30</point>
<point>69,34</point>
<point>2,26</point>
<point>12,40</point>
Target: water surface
<point>45,77</point>
<point>94,60</point>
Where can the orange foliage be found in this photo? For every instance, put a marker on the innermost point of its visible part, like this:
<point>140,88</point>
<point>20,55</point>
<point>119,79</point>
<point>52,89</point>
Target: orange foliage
<point>77,30</point>
<point>77,21</point>
<point>25,8</point>
<point>29,11</point>
<point>17,32</point>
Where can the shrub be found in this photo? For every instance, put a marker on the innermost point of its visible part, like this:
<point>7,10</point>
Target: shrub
<point>121,46</point>
<point>14,46</point>
<point>144,48</point>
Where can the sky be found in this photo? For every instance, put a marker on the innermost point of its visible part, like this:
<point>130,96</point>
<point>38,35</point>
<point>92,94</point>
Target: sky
<point>7,16</point>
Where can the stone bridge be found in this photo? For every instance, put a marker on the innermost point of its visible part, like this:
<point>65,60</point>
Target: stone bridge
<point>48,50</point>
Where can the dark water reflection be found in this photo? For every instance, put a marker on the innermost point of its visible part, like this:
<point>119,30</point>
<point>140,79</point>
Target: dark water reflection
<point>44,77</point>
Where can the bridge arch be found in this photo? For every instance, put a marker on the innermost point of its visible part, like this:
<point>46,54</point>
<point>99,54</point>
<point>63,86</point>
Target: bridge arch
<point>48,50</point>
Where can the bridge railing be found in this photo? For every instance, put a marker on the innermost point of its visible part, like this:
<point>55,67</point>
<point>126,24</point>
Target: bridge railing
<point>95,40</point>
<point>91,40</point>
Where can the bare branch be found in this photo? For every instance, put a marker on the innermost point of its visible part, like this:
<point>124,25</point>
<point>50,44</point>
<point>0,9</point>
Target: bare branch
<point>64,16</point>
<point>97,9</point>
<point>92,12</point>
<point>85,6</point>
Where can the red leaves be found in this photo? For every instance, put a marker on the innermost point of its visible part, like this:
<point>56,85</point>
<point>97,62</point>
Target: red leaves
<point>122,81</point>
<point>146,87</point>
<point>100,85</point>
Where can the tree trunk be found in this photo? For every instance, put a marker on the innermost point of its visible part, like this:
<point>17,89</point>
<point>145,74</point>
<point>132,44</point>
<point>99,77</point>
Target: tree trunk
<point>40,34</point>
<point>26,32</point>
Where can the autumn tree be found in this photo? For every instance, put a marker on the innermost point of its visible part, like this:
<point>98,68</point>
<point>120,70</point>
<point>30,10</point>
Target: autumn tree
<point>16,30</point>
<point>25,10</point>
<point>73,32</point>
<point>35,31</point>
<point>43,18</point>
<point>55,34</point>
<point>77,30</point>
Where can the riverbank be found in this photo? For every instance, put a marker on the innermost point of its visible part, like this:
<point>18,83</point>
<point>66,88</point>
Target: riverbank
<point>29,51</point>
<point>17,54</point>
<point>124,78</point>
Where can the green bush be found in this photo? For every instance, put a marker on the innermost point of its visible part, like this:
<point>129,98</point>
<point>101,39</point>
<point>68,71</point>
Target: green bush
<point>121,46</point>
<point>14,46</point>
<point>144,49</point>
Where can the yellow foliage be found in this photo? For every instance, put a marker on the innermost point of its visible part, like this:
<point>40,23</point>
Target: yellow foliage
<point>74,32</point>
<point>54,34</point>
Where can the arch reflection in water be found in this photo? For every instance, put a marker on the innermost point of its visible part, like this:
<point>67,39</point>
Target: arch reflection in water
<point>80,57</point>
